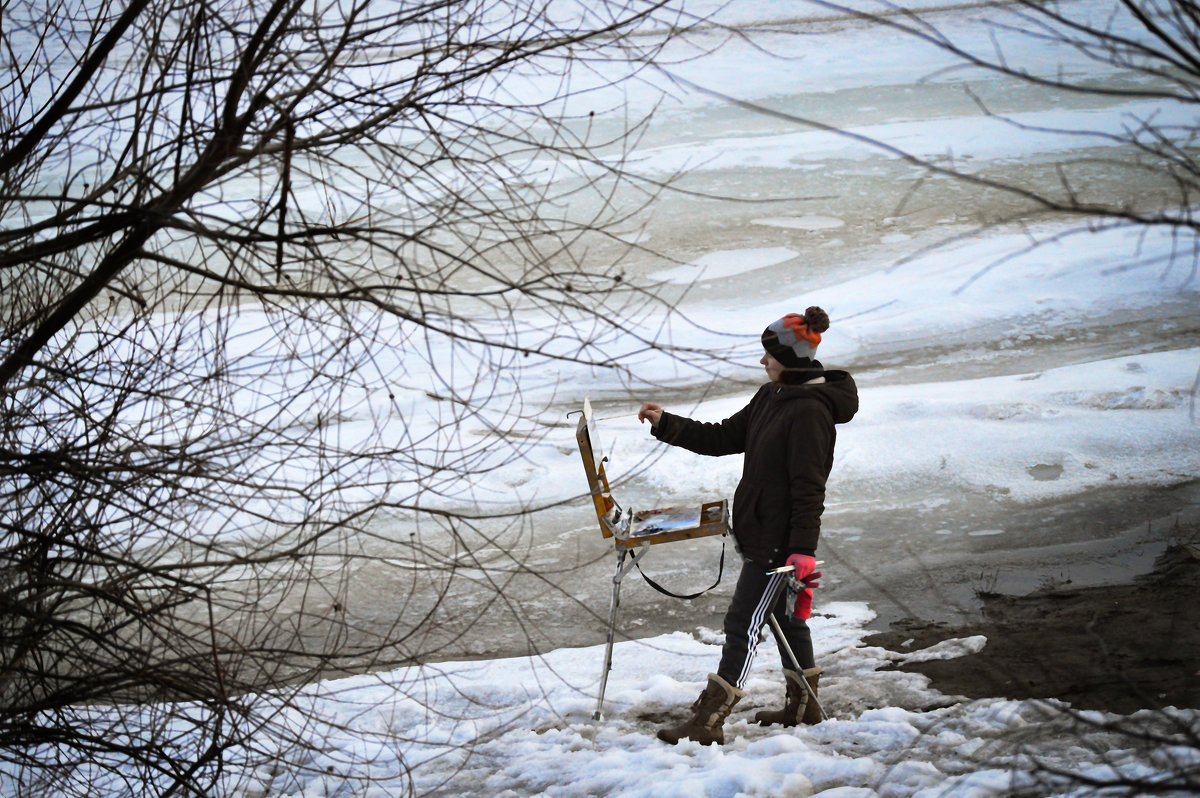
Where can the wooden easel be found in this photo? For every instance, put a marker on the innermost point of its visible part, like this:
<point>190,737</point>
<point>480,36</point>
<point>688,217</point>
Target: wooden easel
<point>633,533</point>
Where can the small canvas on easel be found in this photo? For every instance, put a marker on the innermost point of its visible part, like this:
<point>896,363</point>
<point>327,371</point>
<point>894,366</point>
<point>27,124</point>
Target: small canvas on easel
<point>630,528</point>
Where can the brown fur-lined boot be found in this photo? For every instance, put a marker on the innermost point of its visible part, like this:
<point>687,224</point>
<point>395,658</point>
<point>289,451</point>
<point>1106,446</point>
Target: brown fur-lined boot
<point>794,703</point>
<point>812,712</point>
<point>708,714</point>
<point>797,708</point>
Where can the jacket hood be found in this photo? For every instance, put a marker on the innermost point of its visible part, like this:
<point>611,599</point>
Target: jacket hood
<point>838,392</point>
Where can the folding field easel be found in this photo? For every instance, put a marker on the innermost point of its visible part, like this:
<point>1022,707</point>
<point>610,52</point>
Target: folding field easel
<point>634,532</point>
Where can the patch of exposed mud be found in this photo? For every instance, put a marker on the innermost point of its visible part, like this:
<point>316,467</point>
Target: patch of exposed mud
<point>1118,648</point>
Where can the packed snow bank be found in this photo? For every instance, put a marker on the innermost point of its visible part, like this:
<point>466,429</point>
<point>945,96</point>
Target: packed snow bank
<point>523,726</point>
<point>1125,421</point>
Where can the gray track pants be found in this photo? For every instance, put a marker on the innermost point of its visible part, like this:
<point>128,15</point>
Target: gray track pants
<point>757,594</point>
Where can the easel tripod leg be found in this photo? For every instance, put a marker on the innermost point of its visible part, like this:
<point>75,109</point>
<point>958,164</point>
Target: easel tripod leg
<point>612,625</point>
<point>812,694</point>
<point>622,569</point>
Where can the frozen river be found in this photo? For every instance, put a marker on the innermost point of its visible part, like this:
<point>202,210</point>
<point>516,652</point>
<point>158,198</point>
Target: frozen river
<point>1024,422</point>
<point>389,485</point>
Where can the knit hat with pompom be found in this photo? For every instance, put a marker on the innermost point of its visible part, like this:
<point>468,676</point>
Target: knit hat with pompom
<point>793,339</point>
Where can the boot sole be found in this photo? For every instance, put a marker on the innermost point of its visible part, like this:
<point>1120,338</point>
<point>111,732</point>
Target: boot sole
<point>676,741</point>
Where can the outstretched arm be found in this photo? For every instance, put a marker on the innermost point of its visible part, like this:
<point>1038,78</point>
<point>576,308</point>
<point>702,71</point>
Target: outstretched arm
<point>726,437</point>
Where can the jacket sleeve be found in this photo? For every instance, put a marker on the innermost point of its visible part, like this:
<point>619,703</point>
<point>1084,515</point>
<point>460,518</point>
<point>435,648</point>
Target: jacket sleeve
<point>810,456</point>
<point>715,439</point>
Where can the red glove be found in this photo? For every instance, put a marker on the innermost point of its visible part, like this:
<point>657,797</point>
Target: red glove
<point>802,583</point>
<point>802,564</point>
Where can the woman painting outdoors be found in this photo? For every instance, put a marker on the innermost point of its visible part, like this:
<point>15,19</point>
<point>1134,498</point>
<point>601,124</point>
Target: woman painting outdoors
<point>787,435</point>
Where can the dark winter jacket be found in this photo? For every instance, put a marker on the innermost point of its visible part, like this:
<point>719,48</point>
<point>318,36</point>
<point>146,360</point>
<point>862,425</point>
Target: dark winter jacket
<point>787,434</point>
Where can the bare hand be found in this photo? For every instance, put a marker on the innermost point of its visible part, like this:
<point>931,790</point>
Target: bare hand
<point>650,412</point>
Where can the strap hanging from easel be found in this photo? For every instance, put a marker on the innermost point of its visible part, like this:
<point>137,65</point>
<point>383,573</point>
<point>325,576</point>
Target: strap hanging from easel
<point>665,592</point>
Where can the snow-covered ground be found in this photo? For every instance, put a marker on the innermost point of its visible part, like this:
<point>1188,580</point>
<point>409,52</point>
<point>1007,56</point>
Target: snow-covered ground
<point>523,727</point>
